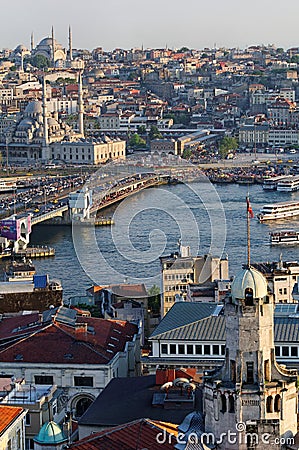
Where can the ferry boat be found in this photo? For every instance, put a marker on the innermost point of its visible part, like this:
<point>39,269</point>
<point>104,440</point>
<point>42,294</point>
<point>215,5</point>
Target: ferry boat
<point>270,184</point>
<point>289,184</point>
<point>276,211</point>
<point>20,271</point>
<point>7,186</point>
<point>284,237</point>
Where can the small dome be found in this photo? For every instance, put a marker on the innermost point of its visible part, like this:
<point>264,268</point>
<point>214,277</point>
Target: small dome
<point>20,49</point>
<point>50,433</point>
<point>34,107</point>
<point>249,278</point>
<point>25,124</point>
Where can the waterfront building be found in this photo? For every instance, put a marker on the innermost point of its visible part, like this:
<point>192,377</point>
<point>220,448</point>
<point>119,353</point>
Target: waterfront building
<point>180,269</point>
<point>164,147</point>
<point>88,151</point>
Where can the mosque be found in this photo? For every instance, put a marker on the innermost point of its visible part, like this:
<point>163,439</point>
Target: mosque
<point>51,49</point>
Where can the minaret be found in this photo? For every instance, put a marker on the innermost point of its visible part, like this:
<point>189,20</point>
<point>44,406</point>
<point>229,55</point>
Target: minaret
<point>53,46</point>
<point>70,45</point>
<point>45,149</point>
<point>80,105</point>
<point>32,41</point>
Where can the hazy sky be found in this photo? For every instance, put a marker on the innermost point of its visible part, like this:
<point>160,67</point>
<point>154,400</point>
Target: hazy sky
<point>153,23</point>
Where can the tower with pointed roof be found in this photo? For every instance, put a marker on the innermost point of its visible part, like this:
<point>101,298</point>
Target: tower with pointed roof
<point>80,105</point>
<point>251,396</point>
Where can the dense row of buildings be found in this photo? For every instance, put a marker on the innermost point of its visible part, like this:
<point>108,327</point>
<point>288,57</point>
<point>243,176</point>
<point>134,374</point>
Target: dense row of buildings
<point>248,94</point>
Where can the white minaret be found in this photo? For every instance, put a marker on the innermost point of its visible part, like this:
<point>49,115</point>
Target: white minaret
<point>32,41</point>
<point>53,46</point>
<point>80,105</point>
<point>45,149</point>
<point>70,45</point>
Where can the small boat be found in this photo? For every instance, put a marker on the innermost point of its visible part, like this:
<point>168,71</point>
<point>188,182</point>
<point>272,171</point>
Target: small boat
<point>284,237</point>
<point>20,271</point>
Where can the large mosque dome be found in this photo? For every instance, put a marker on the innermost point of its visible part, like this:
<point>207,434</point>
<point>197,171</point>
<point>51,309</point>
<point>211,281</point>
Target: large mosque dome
<point>33,108</point>
<point>249,279</point>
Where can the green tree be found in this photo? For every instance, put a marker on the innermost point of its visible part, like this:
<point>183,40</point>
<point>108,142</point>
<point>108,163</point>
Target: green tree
<point>40,61</point>
<point>154,133</point>
<point>141,129</point>
<point>187,153</point>
<point>154,299</point>
<point>137,141</point>
<point>227,145</point>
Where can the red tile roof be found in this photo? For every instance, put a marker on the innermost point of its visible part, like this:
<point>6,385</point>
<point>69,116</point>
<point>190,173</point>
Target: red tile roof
<point>61,343</point>
<point>136,435</point>
<point>8,415</point>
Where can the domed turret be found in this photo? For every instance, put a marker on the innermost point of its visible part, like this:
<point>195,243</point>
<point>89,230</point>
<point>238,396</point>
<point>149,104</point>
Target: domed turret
<point>251,281</point>
<point>50,435</point>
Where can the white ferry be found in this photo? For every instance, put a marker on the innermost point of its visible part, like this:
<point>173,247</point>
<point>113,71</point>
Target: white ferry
<point>7,186</point>
<point>284,237</point>
<point>276,211</point>
<point>270,184</point>
<point>289,184</point>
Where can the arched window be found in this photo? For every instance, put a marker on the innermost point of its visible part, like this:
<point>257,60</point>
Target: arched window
<point>223,403</point>
<point>269,404</point>
<point>248,297</point>
<point>231,404</point>
<point>277,403</point>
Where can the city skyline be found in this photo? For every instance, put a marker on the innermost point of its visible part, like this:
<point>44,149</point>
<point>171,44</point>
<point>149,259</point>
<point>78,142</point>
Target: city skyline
<point>132,24</point>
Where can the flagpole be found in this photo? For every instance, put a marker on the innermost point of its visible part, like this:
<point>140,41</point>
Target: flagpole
<point>248,234</point>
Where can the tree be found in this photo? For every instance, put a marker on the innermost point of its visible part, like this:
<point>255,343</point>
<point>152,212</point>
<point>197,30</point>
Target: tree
<point>154,133</point>
<point>227,145</point>
<point>187,153</point>
<point>137,141</point>
<point>154,299</point>
<point>141,129</point>
<point>40,61</point>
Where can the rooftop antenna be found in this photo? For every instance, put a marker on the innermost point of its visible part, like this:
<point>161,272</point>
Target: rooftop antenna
<point>249,216</point>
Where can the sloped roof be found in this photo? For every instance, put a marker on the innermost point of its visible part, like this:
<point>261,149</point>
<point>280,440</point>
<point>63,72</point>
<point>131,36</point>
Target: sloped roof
<point>137,435</point>
<point>62,343</point>
<point>8,415</point>
<point>212,328</point>
<point>183,313</point>
<point>126,399</point>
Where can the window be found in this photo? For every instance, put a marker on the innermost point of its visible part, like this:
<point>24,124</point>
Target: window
<point>198,349</point>
<point>233,370</point>
<point>206,350</point>
<point>248,297</point>
<point>27,420</point>
<point>277,403</point>
<point>222,349</point>
<point>215,349</point>
<point>223,403</point>
<point>250,375</point>
<point>277,351</point>
<point>294,351</point>
<point>267,370</point>
<point>181,349</point>
<point>164,349</point>
<point>9,445</point>
<point>285,351</point>
<point>190,349</point>
<point>172,349</point>
<point>44,379</point>
<point>269,404</point>
<point>83,381</point>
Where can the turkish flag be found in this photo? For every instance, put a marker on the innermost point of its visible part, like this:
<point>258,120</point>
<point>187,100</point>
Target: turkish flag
<point>249,209</point>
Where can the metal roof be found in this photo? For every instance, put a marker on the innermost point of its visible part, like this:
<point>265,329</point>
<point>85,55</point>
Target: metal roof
<point>184,313</point>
